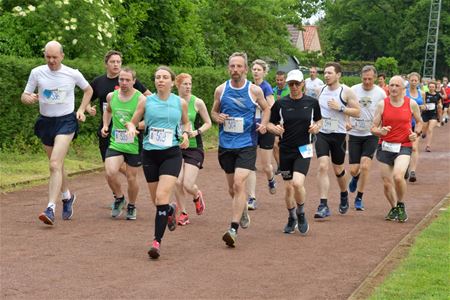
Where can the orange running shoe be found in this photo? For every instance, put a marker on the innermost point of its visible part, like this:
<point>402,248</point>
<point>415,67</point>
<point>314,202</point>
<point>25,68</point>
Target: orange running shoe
<point>199,203</point>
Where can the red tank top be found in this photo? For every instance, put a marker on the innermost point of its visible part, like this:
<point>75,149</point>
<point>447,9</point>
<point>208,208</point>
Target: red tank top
<point>399,118</point>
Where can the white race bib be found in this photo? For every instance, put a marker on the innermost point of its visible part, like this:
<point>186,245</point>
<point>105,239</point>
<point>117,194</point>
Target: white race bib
<point>235,125</point>
<point>430,106</point>
<point>121,137</point>
<point>361,124</point>
<point>55,96</point>
<point>161,136</point>
<point>391,147</point>
<point>330,124</point>
<point>306,150</point>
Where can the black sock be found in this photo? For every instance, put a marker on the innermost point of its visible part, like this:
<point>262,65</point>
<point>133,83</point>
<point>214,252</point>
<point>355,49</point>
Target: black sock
<point>235,226</point>
<point>162,213</point>
<point>300,209</point>
<point>357,176</point>
<point>359,195</point>
<point>131,205</point>
<point>271,179</point>
<point>324,201</point>
<point>344,194</point>
<point>292,212</point>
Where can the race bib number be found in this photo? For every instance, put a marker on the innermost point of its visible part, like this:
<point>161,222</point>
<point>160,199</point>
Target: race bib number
<point>431,106</point>
<point>161,136</point>
<point>55,96</point>
<point>361,124</point>
<point>121,137</point>
<point>391,147</point>
<point>330,124</point>
<point>306,150</point>
<point>235,125</point>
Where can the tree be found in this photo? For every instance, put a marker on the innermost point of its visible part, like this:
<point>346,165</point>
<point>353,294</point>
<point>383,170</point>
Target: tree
<point>387,65</point>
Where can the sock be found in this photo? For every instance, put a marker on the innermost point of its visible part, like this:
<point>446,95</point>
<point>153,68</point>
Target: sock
<point>292,213</point>
<point>270,180</point>
<point>52,206</point>
<point>235,226</point>
<point>300,208</point>
<point>131,205</point>
<point>323,201</point>
<point>359,195</point>
<point>344,194</point>
<point>357,176</point>
<point>162,213</point>
<point>66,195</point>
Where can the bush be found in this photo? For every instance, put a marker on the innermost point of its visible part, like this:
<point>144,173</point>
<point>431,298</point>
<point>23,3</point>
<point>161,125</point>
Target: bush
<point>387,65</point>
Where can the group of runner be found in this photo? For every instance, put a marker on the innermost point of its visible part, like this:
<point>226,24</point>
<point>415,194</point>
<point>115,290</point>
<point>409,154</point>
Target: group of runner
<point>162,132</point>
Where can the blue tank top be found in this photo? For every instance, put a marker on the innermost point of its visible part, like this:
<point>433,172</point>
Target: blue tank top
<point>162,122</point>
<point>240,130</point>
<point>419,101</point>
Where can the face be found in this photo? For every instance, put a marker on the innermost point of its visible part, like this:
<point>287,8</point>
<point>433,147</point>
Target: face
<point>413,81</point>
<point>237,68</point>
<point>281,81</point>
<point>296,89</point>
<point>330,75</point>
<point>438,84</point>
<point>185,87</point>
<point>313,73</point>
<point>431,87</point>
<point>114,64</point>
<point>257,72</point>
<point>54,57</point>
<point>381,80</point>
<point>163,80</point>
<point>396,86</point>
<point>126,81</point>
<point>368,80</point>
<point>445,81</point>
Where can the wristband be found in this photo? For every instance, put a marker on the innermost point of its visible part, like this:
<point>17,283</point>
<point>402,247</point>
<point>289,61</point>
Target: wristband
<point>199,132</point>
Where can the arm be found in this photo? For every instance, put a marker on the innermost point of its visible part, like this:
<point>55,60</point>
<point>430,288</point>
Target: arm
<point>270,100</point>
<point>377,129</point>
<point>185,124</point>
<point>107,115</point>
<point>257,92</point>
<point>137,116</point>
<point>216,115</point>
<point>29,98</point>
<point>419,123</point>
<point>84,103</point>
<point>274,125</point>
<point>203,111</point>
<point>317,121</point>
<point>353,109</point>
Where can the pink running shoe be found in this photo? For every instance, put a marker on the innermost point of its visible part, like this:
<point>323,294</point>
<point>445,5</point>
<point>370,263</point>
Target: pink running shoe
<point>183,219</point>
<point>172,219</point>
<point>199,203</point>
<point>154,250</point>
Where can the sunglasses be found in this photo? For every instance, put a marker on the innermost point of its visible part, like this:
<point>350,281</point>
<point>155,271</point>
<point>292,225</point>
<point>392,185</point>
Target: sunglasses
<point>296,83</point>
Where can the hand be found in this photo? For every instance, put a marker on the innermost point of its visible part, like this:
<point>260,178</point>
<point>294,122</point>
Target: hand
<point>131,130</point>
<point>384,130</point>
<point>261,128</point>
<point>348,126</point>
<point>278,130</point>
<point>80,116</point>
<point>314,128</point>
<point>220,119</point>
<point>185,143</point>
<point>333,104</point>
<point>104,131</point>
<point>412,136</point>
<point>31,98</point>
<point>92,111</point>
<point>192,134</point>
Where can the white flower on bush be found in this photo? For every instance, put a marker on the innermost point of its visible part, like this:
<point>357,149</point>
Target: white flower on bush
<point>74,41</point>
<point>108,34</point>
<point>31,7</point>
<point>73,26</point>
<point>22,13</point>
<point>73,20</point>
<point>58,3</point>
<point>17,8</point>
<point>66,2</point>
<point>67,28</point>
<point>65,21</point>
<point>99,36</point>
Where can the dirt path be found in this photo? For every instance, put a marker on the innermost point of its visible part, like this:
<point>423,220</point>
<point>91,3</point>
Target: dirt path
<point>93,256</point>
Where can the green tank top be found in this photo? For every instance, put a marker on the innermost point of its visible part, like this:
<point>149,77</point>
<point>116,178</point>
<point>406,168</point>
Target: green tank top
<point>194,142</point>
<point>122,112</point>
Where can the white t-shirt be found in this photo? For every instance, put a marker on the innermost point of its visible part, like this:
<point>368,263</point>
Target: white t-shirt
<point>56,89</point>
<point>368,101</point>
<point>311,86</point>
<point>333,121</point>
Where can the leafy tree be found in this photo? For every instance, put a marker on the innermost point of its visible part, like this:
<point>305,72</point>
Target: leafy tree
<point>387,65</point>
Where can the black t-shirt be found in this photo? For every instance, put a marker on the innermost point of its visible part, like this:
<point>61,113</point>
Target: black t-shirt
<point>429,98</point>
<point>296,119</point>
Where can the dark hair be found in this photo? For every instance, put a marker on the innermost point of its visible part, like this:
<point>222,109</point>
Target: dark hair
<point>166,68</point>
<point>337,67</point>
<point>111,53</point>
<point>281,73</point>
<point>382,75</point>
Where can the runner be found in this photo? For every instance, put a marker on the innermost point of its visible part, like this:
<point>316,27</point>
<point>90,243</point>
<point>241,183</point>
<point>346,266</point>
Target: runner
<point>295,118</point>
<point>336,101</point>
<point>313,83</point>
<point>193,156</point>
<point>161,156</point>
<point>441,90</point>
<point>382,83</point>
<point>446,101</point>
<point>433,100</point>
<point>234,109</point>
<point>392,123</point>
<point>121,105</point>
<point>362,144</point>
<point>265,141</point>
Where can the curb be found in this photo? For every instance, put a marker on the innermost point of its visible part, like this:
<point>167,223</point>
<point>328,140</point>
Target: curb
<point>386,266</point>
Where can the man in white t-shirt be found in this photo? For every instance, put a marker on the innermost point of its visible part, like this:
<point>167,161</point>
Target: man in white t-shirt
<point>312,83</point>
<point>362,144</point>
<point>57,123</point>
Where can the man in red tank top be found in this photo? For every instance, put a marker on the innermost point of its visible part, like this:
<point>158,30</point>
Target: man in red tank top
<point>392,123</point>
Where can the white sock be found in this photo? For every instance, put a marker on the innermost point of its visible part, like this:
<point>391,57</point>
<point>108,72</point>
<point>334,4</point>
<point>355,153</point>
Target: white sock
<point>52,206</point>
<point>66,195</point>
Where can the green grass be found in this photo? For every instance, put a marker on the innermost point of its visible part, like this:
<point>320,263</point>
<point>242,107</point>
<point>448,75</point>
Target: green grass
<point>425,272</point>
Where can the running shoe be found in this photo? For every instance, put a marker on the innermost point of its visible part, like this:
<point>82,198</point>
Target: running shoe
<point>353,184</point>
<point>154,250</point>
<point>119,204</point>
<point>412,176</point>
<point>131,212</point>
<point>172,218</point>
<point>48,216</point>
<point>303,226</point>
<point>199,203</point>
<point>392,214</point>
<point>245,218</point>
<point>322,212</point>
<point>230,237</point>
<point>183,219</point>
<point>251,203</point>
<point>343,205</point>
<point>359,204</point>
<point>67,211</point>
<point>290,226</point>
<point>401,212</point>
<point>272,186</point>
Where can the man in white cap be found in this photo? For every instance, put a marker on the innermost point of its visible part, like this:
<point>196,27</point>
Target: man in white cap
<point>295,118</point>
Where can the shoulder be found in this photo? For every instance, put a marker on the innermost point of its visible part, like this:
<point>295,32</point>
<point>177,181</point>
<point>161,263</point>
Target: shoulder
<point>220,88</point>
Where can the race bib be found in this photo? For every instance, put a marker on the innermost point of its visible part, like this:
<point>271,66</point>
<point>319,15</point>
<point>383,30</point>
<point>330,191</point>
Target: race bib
<point>361,124</point>
<point>391,147</point>
<point>306,150</point>
<point>330,124</point>
<point>161,136</point>
<point>55,96</point>
<point>430,106</point>
<point>235,125</point>
<point>121,137</point>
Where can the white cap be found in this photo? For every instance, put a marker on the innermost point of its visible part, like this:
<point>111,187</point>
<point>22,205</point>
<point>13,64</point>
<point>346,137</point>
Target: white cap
<point>295,75</point>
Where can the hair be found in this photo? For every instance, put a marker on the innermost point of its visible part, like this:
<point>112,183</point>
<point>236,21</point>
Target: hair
<point>281,73</point>
<point>432,82</point>
<point>239,54</point>
<point>263,64</point>
<point>111,53</point>
<point>129,70</point>
<point>369,68</point>
<point>166,68</point>
<point>54,43</point>
<point>181,77</point>
<point>382,75</point>
<point>337,67</point>
<point>313,67</point>
<point>414,74</point>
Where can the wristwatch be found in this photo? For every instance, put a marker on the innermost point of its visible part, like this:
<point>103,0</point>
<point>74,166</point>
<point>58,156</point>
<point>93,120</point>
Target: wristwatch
<point>199,132</point>
<point>342,108</point>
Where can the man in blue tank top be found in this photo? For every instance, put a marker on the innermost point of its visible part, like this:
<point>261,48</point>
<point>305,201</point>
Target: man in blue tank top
<point>234,109</point>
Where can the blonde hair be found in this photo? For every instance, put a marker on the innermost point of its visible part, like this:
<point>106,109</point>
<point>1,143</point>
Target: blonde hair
<point>262,63</point>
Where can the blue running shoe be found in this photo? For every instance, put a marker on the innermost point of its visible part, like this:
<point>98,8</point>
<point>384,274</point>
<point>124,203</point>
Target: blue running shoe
<point>353,184</point>
<point>68,207</point>
<point>119,204</point>
<point>272,186</point>
<point>343,206</point>
<point>290,226</point>
<point>359,204</point>
<point>251,203</point>
<point>48,216</point>
<point>303,226</point>
<point>322,212</point>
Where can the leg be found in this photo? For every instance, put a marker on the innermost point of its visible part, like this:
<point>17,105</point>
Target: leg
<point>112,166</point>
<point>300,196</point>
<point>388,184</point>
<point>266,161</point>
<point>432,123</point>
<point>251,185</point>
<point>400,165</point>
<point>179,190</point>
<point>276,151</point>
<point>240,197</point>
<point>366,162</point>
<point>322,176</point>
<point>342,179</point>
<point>133,187</point>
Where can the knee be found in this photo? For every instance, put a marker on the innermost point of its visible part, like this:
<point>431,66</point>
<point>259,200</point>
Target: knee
<point>55,165</point>
<point>365,167</point>
<point>238,186</point>
<point>323,167</point>
<point>399,178</point>
<point>297,185</point>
